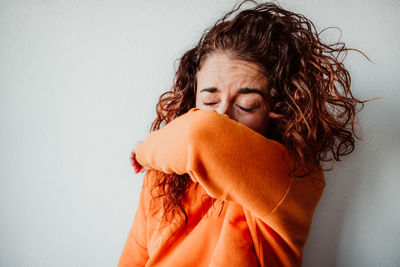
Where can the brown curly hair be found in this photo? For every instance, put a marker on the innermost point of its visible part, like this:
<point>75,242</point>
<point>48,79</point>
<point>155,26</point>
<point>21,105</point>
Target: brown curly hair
<point>313,110</point>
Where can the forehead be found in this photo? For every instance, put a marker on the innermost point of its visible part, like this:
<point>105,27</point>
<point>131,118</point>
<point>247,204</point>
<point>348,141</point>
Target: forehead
<point>220,68</point>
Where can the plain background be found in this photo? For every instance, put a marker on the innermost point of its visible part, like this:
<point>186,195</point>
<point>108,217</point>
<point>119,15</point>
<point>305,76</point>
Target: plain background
<point>79,81</point>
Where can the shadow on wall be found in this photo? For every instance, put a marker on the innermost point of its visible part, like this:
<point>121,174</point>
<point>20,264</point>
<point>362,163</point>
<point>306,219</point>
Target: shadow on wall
<point>353,189</point>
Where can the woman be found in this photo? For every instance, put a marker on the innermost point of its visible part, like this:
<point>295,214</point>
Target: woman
<point>234,175</point>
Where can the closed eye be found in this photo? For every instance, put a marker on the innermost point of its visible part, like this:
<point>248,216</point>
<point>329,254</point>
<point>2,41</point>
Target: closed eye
<point>240,107</point>
<point>210,103</point>
<point>246,109</point>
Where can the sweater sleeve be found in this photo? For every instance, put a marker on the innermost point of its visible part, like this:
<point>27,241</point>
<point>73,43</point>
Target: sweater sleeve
<point>231,161</point>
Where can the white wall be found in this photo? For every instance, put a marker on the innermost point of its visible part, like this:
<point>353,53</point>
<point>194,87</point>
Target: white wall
<point>79,81</point>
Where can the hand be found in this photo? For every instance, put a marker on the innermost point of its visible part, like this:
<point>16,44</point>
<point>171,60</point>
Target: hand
<point>136,165</point>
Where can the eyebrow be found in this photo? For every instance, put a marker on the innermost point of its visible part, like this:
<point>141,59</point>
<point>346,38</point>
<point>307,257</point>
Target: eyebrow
<point>244,90</point>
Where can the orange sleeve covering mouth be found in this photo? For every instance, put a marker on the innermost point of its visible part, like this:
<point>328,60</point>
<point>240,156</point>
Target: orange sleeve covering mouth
<point>222,155</point>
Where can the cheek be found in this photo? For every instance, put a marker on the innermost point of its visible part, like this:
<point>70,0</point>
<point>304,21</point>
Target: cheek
<point>257,122</point>
<point>197,102</point>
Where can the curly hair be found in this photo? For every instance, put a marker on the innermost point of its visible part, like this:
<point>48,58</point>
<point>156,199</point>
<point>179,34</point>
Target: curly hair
<point>313,110</point>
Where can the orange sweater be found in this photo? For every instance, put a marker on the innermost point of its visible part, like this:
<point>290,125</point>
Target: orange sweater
<point>266,216</point>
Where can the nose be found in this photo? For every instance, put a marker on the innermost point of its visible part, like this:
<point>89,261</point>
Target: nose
<point>225,108</point>
<point>222,108</point>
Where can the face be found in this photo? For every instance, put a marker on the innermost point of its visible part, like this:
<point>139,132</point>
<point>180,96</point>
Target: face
<point>236,88</point>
